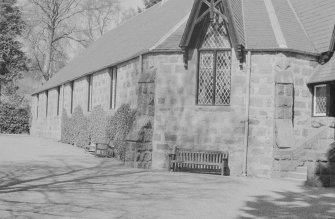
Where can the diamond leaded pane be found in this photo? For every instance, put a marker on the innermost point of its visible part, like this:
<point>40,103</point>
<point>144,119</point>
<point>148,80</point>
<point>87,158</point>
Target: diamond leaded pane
<point>222,88</point>
<point>206,78</point>
<point>320,100</point>
<point>216,36</point>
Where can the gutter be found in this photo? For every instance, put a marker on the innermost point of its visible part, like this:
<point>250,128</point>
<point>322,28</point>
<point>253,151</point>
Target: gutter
<point>145,52</point>
<point>314,54</point>
<point>247,121</point>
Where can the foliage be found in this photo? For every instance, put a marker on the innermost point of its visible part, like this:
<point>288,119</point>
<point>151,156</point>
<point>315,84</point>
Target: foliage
<point>67,129</point>
<point>75,129</point>
<point>81,130</point>
<point>150,3</point>
<point>97,124</point>
<point>59,29</point>
<point>50,26</point>
<point>80,125</point>
<point>14,120</point>
<point>101,16</point>
<point>119,126</point>
<point>12,59</point>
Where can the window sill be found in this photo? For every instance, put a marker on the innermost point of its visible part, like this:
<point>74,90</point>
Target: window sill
<point>321,115</point>
<point>208,108</point>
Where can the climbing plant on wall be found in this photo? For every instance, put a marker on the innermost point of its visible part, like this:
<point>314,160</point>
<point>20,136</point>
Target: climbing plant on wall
<point>98,121</point>
<point>119,126</point>
<point>82,130</point>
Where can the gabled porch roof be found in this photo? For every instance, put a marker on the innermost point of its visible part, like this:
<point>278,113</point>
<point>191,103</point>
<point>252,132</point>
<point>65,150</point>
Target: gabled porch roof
<point>324,73</point>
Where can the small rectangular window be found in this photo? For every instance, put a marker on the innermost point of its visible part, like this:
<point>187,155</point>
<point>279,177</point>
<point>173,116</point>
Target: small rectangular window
<point>37,103</point>
<point>47,103</point>
<point>113,78</point>
<point>72,90</point>
<point>320,100</point>
<point>58,100</point>
<point>90,92</point>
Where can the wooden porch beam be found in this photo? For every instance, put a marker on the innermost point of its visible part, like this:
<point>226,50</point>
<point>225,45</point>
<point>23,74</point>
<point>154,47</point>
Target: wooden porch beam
<point>199,19</point>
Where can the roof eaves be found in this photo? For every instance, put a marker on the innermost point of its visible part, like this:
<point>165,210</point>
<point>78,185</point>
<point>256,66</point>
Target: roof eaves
<point>190,24</point>
<point>92,72</point>
<point>234,29</point>
<point>332,42</point>
<point>243,18</point>
<point>316,55</point>
<point>169,33</point>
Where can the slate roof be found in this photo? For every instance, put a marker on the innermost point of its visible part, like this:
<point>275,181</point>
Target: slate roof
<point>258,29</point>
<point>324,73</point>
<point>306,27</point>
<point>237,15</point>
<point>127,41</point>
<point>318,19</point>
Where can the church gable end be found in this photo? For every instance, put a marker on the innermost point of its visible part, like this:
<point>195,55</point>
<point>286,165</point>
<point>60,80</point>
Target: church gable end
<point>211,22</point>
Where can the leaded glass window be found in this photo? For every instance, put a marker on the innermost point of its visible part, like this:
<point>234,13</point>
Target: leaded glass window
<point>320,100</point>
<point>214,79</point>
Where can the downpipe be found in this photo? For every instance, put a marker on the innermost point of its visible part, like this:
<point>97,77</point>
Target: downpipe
<point>247,121</point>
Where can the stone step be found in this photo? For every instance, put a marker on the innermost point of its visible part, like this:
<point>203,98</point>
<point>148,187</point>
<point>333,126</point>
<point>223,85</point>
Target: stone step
<point>297,175</point>
<point>294,179</point>
<point>301,170</point>
<point>324,145</point>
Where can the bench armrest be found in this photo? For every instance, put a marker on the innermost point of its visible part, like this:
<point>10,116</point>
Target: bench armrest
<point>172,156</point>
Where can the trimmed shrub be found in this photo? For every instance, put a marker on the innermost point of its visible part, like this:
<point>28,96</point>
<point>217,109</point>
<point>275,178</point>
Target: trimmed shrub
<point>75,129</point>
<point>80,128</point>
<point>97,124</point>
<point>14,120</point>
<point>67,129</point>
<point>81,131</point>
<point>119,126</point>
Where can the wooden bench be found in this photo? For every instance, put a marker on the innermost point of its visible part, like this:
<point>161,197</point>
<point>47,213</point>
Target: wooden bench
<point>103,148</point>
<point>199,161</point>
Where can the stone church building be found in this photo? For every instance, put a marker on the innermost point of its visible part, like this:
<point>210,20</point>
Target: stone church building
<point>251,77</point>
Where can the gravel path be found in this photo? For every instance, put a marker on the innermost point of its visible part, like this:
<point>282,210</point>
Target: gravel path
<point>45,179</point>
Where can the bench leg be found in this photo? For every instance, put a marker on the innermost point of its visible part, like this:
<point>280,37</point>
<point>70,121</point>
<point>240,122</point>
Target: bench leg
<point>171,167</point>
<point>175,167</point>
<point>222,170</point>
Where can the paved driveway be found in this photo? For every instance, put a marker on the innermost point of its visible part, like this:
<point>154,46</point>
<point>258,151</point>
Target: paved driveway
<point>45,179</point>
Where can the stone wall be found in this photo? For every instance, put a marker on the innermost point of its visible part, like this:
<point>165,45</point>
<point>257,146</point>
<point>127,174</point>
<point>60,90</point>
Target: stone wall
<point>48,122</point>
<point>139,140</point>
<point>128,75</point>
<point>101,89</point>
<point>261,115</point>
<point>67,106</point>
<point>126,92</point>
<point>80,94</point>
<point>180,122</point>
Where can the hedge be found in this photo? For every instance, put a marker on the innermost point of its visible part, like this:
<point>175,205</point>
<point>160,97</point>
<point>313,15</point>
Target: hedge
<point>80,130</point>
<point>97,126</point>
<point>14,120</point>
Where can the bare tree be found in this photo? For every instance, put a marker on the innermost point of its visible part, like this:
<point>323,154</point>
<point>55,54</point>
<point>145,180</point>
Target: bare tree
<point>51,28</point>
<point>56,26</point>
<point>101,16</point>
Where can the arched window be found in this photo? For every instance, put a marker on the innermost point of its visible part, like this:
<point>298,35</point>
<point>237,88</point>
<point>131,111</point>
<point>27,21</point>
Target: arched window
<point>214,71</point>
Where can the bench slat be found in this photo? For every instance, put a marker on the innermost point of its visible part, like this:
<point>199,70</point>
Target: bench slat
<point>197,163</point>
<point>199,159</point>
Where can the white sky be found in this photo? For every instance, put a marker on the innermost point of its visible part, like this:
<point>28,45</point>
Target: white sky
<point>132,3</point>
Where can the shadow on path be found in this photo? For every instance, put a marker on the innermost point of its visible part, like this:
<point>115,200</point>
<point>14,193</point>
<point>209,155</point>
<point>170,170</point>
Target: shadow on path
<point>59,189</point>
<point>306,203</point>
